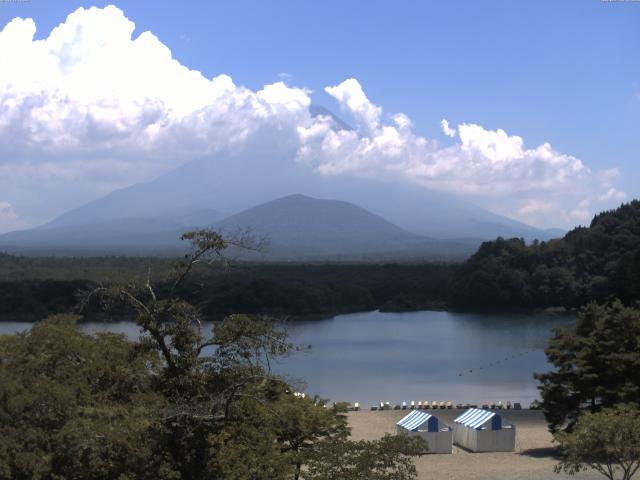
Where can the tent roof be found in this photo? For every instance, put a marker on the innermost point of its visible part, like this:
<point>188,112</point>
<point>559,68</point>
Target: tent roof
<point>414,420</point>
<point>474,418</point>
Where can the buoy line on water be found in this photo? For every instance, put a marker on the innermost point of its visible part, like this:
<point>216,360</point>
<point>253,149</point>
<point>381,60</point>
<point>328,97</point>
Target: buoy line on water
<point>497,362</point>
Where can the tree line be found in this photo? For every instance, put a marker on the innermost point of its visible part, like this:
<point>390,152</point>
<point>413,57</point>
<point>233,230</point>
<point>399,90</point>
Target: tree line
<point>290,290</point>
<point>595,263</point>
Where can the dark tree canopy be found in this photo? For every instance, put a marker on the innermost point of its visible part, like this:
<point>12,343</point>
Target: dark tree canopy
<point>597,364</point>
<point>589,264</point>
<point>76,406</point>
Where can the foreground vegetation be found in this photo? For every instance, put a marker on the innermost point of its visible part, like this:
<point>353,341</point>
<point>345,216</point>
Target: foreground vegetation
<point>178,404</point>
<point>596,364</point>
<point>101,407</point>
<point>607,442</point>
<point>592,396</point>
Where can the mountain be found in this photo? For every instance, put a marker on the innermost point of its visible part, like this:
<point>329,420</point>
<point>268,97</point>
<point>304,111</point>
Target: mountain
<point>235,182</point>
<point>297,227</point>
<point>206,190</point>
<point>318,227</point>
<point>130,235</point>
<point>595,263</point>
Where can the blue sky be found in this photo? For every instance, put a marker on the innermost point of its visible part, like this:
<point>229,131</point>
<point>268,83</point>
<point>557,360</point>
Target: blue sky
<point>567,73</point>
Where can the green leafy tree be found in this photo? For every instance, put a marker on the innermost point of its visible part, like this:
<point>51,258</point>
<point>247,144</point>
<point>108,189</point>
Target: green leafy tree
<point>389,458</point>
<point>178,404</point>
<point>607,441</point>
<point>303,422</point>
<point>76,406</point>
<point>597,364</point>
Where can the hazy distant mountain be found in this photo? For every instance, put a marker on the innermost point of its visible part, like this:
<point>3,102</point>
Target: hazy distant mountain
<point>134,235</point>
<point>317,110</point>
<point>205,190</point>
<point>234,183</point>
<point>297,227</point>
<point>137,236</point>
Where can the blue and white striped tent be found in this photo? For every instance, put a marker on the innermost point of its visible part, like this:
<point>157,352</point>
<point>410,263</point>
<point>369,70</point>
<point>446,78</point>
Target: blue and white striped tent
<point>477,418</point>
<point>483,431</point>
<point>439,437</point>
<point>417,419</point>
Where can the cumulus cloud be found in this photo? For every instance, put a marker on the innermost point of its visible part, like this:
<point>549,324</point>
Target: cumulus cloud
<point>491,166</point>
<point>92,87</point>
<point>93,107</point>
<point>93,101</point>
<point>446,129</point>
<point>352,99</point>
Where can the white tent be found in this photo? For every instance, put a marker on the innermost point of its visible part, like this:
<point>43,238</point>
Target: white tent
<point>482,431</point>
<point>422,424</point>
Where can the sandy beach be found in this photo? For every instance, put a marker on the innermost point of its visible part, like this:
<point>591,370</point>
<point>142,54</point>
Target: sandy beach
<point>533,458</point>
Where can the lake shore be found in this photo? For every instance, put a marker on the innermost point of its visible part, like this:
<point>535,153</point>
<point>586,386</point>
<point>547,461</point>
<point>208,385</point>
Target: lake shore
<point>534,457</point>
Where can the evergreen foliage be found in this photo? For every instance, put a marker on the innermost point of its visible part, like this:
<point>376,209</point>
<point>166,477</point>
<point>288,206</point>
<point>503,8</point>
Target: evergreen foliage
<point>597,364</point>
<point>596,263</point>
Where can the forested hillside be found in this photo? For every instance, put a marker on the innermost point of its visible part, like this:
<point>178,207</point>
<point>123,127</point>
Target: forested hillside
<point>594,263</point>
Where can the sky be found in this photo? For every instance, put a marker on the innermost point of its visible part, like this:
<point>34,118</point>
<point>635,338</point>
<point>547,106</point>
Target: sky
<point>530,109</point>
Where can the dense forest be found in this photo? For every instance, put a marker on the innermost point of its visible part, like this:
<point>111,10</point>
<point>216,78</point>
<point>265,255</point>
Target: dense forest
<point>595,263</point>
<point>31,288</point>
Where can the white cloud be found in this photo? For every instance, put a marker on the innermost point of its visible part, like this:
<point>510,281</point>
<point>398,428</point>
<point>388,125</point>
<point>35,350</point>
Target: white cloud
<point>90,87</point>
<point>612,194</point>
<point>8,218</point>
<point>581,212</point>
<point>536,206</point>
<point>352,99</point>
<point>93,107</point>
<point>91,101</point>
<point>448,131</point>
<point>492,167</point>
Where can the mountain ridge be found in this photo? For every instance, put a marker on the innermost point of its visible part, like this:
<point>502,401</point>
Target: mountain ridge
<point>299,227</point>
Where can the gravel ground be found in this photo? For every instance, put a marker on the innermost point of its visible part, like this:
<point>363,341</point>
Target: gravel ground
<point>533,458</point>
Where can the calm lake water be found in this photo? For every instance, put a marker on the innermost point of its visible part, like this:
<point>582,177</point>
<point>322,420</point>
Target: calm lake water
<point>373,356</point>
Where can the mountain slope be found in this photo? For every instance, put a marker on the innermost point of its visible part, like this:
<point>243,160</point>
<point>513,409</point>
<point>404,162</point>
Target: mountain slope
<point>297,227</point>
<point>138,236</point>
<point>244,182</point>
<point>301,225</point>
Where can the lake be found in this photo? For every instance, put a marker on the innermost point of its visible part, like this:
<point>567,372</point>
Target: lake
<point>374,356</point>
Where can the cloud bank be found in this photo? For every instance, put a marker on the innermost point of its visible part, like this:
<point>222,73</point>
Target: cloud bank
<point>93,107</point>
